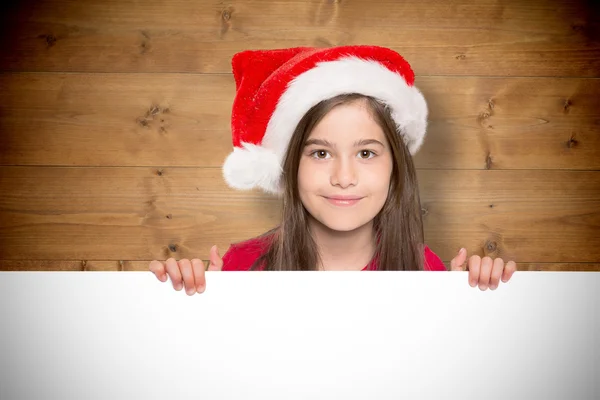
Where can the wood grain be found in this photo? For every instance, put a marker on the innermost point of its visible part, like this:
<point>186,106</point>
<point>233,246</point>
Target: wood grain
<point>514,38</point>
<point>184,120</point>
<point>144,213</point>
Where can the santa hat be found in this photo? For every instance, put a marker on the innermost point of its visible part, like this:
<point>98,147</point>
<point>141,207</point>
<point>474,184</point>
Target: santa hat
<point>275,88</point>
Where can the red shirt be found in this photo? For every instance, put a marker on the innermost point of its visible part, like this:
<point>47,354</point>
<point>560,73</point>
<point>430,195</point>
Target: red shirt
<point>241,256</point>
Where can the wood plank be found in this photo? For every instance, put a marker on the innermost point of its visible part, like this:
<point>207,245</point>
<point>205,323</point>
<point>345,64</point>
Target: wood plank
<point>142,266</point>
<point>141,214</point>
<point>184,120</point>
<point>508,38</point>
<point>78,265</point>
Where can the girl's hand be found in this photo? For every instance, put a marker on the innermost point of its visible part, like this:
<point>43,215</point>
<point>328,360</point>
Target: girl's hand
<point>485,272</point>
<point>191,272</point>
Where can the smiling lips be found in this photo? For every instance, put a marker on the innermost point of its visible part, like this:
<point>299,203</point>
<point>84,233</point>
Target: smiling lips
<point>343,201</point>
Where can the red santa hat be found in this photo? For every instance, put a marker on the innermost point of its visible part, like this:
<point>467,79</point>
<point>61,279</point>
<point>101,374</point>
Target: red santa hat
<point>275,88</point>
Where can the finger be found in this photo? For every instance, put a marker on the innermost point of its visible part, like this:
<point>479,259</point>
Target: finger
<point>458,262</point>
<point>509,270</point>
<point>485,272</point>
<point>199,276</point>
<point>216,262</point>
<point>474,268</point>
<point>158,269</point>
<point>185,266</point>
<point>497,269</point>
<point>174,274</point>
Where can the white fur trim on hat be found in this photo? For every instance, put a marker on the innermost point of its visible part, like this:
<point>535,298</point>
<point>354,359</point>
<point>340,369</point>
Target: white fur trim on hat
<point>251,166</point>
<point>347,75</point>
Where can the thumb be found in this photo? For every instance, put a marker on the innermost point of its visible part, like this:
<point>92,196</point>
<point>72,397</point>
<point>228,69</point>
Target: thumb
<point>216,262</point>
<point>457,263</point>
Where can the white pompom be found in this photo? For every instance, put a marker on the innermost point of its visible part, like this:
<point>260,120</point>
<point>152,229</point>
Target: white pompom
<point>253,166</point>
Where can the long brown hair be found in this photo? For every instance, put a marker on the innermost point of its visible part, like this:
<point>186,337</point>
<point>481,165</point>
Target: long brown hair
<point>398,226</point>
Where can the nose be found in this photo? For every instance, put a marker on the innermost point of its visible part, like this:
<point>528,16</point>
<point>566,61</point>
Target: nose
<point>343,173</point>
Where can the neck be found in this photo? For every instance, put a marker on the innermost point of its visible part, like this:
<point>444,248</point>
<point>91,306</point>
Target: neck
<point>350,250</point>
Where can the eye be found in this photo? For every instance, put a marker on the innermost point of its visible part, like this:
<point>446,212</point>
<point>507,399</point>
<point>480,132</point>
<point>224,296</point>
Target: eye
<point>320,154</point>
<point>366,154</point>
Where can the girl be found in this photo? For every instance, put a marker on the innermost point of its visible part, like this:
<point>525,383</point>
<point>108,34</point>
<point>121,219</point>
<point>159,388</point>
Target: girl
<point>333,132</point>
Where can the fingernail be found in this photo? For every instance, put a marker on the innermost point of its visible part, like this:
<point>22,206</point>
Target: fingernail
<point>461,250</point>
<point>201,289</point>
<point>493,287</point>
<point>473,283</point>
<point>178,287</point>
<point>190,292</point>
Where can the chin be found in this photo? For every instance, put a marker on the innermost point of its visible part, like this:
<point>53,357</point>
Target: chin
<point>342,225</point>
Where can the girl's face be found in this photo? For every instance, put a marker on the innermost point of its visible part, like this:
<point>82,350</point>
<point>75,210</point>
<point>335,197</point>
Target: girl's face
<point>345,168</point>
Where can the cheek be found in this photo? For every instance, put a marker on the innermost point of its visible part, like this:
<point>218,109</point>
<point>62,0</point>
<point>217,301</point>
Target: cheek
<point>378,179</point>
<point>309,175</point>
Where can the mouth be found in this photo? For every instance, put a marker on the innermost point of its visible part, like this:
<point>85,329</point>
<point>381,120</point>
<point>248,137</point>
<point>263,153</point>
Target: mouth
<point>343,201</point>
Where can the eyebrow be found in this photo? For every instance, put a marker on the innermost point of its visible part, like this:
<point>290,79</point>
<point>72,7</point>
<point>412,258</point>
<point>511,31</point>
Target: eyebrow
<point>326,143</point>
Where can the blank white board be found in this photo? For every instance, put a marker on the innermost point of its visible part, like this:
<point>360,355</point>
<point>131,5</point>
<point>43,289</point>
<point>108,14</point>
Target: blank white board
<point>299,335</point>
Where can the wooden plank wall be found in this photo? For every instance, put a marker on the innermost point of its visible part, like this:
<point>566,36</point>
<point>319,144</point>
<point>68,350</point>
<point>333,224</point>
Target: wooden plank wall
<point>114,121</point>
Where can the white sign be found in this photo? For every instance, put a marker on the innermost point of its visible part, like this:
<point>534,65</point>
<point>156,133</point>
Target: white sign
<point>299,335</point>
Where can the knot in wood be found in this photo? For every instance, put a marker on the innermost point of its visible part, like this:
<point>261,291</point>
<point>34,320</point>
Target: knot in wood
<point>154,110</point>
<point>49,38</point>
<point>488,161</point>
<point>572,142</point>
